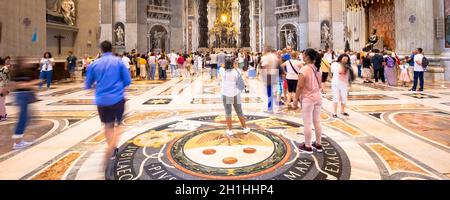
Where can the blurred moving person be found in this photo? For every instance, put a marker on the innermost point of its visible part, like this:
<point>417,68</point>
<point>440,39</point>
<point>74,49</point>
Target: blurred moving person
<point>110,76</point>
<point>23,86</point>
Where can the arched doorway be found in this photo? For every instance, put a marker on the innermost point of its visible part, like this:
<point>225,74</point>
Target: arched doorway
<point>158,39</point>
<point>288,36</point>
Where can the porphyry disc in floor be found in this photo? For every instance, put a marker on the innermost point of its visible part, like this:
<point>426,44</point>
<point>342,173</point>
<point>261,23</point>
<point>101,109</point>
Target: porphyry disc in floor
<point>198,149</point>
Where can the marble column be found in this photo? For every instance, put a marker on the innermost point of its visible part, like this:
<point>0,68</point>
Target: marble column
<point>131,26</point>
<point>203,24</point>
<point>245,23</point>
<point>337,17</point>
<point>269,23</point>
<point>106,19</point>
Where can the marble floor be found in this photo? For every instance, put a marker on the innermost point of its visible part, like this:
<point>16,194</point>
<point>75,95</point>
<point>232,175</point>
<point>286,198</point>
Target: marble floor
<point>175,130</point>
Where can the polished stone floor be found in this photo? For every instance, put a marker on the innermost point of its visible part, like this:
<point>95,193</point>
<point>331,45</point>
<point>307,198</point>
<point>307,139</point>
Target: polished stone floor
<point>175,130</point>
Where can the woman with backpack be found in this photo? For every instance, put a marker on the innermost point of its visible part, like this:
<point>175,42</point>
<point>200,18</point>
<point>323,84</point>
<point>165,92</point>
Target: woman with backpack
<point>292,67</point>
<point>343,76</point>
<point>231,87</point>
<point>390,69</point>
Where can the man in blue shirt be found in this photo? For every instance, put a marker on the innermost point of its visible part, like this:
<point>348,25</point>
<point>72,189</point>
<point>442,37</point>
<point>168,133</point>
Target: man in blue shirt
<point>110,76</point>
<point>71,64</point>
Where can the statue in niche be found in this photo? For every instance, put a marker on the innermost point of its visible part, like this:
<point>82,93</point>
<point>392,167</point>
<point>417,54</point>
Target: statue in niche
<point>67,9</point>
<point>290,41</point>
<point>157,39</point>
<point>120,36</point>
<point>373,40</point>
<point>326,35</point>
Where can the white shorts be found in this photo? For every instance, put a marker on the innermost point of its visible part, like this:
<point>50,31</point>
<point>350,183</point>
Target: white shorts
<point>340,93</point>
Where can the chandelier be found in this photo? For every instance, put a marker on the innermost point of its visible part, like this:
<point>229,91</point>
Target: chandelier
<point>359,4</point>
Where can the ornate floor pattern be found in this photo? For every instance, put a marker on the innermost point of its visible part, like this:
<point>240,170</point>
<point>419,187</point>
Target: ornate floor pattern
<point>174,130</point>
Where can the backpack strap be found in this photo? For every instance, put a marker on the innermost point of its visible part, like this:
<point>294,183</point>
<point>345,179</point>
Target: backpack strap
<point>292,66</point>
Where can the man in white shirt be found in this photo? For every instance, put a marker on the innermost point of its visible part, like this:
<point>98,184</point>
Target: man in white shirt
<point>269,71</point>
<point>213,65</point>
<point>173,57</point>
<point>126,61</point>
<point>418,70</point>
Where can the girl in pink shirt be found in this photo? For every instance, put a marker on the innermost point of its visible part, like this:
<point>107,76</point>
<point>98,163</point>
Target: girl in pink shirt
<point>308,91</point>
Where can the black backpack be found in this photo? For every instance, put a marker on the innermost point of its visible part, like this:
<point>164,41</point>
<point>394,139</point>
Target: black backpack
<point>425,63</point>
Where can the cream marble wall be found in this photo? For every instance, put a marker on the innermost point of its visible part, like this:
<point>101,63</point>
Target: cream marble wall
<point>418,34</point>
<point>88,24</point>
<point>16,38</point>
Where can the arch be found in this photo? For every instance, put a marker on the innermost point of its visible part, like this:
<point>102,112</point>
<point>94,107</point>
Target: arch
<point>285,38</point>
<point>158,38</point>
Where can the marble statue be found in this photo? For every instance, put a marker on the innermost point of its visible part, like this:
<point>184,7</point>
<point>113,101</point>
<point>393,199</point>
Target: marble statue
<point>373,40</point>
<point>291,39</point>
<point>67,9</point>
<point>326,35</point>
<point>157,36</point>
<point>120,36</point>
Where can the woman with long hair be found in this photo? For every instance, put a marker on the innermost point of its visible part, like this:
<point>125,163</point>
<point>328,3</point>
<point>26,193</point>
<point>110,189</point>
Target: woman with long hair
<point>231,95</point>
<point>46,70</point>
<point>342,77</point>
<point>308,91</point>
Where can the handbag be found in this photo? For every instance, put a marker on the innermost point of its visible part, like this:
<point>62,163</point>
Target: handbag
<point>240,82</point>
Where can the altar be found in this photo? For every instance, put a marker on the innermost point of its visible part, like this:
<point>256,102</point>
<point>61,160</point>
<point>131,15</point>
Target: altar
<point>224,33</point>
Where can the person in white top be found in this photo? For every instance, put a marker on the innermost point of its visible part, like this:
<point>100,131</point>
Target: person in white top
<point>270,75</point>
<point>231,97</point>
<point>330,55</point>
<point>241,60</point>
<point>292,67</point>
<point>199,63</point>
<point>152,64</point>
<point>339,84</point>
<point>126,61</point>
<point>46,71</point>
<point>418,70</point>
<point>173,57</point>
<point>214,66</point>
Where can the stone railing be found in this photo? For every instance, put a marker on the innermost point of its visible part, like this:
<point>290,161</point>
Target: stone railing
<point>159,12</point>
<point>287,11</point>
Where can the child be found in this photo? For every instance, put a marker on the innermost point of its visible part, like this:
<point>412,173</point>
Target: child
<point>404,75</point>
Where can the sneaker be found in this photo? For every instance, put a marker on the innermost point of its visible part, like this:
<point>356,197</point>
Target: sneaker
<point>304,149</point>
<point>346,114</point>
<point>318,147</point>
<point>247,130</point>
<point>229,133</point>
<point>412,90</point>
<point>22,145</point>
<point>2,119</point>
<point>335,116</point>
